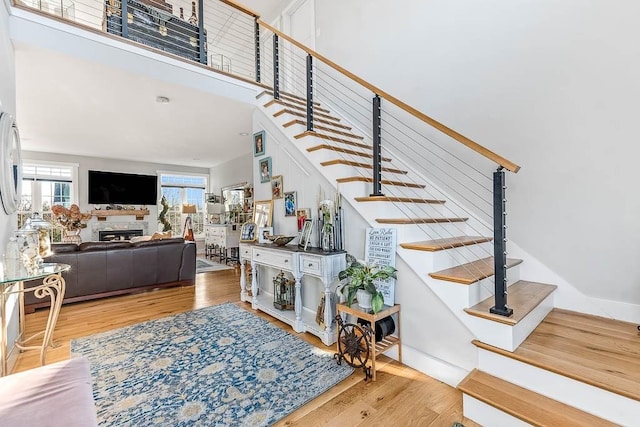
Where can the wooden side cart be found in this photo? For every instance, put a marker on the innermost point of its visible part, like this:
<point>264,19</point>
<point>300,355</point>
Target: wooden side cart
<point>356,343</point>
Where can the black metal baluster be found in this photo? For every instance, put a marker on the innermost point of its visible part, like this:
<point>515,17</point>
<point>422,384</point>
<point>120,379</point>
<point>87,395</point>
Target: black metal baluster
<point>500,244</point>
<point>125,19</point>
<point>309,93</point>
<point>201,41</point>
<point>257,43</point>
<point>377,147</point>
<point>276,68</point>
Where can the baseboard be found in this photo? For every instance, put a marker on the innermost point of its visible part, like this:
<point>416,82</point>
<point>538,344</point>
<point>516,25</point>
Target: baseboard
<point>431,366</point>
<point>617,310</point>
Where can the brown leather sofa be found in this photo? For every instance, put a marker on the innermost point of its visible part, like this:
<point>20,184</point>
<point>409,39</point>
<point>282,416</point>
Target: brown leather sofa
<point>102,269</point>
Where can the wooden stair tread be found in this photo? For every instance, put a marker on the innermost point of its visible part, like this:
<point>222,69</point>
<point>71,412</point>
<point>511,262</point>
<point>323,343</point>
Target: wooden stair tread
<point>362,165</point>
<point>295,104</point>
<point>399,199</point>
<point>384,181</point>
<point>333,138</point>
<point>291,96</point>
<point>523,297</point>
<point>292,112</point>
<point>526,405</point>
<point>409,221</point>
<point>302,109</point>
<point>317,126</point>
<point>598,351</point>
<point>344,150</point>
<point>447,243</point>
<point>471,272</point>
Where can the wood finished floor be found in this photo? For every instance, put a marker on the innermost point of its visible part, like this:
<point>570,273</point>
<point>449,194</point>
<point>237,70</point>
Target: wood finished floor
<point>401,396</point>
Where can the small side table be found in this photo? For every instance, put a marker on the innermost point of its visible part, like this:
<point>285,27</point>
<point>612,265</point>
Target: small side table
<point>357,344</point>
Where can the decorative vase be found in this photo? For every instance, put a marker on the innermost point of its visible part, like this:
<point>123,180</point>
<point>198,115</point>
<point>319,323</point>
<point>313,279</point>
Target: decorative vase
<point>72,236</point>
<point>326,239</point>
<point>364,298</point>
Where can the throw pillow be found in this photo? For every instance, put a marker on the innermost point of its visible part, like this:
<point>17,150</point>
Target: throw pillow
<point>140,239</point>
<point>158,235</point>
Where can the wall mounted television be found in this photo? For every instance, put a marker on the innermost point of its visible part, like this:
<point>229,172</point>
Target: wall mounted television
<point>122,188</point>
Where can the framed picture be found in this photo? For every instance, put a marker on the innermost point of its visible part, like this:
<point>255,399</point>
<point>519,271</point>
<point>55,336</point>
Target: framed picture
<point>264,169</point>
<point>301,215</point>
<point>305,234</point>
<point>263,213</point>
<point>290,203</point>
<point>248,232</point>
<point>259,143</point>
<point>276,187</point>
<point>264,233</point>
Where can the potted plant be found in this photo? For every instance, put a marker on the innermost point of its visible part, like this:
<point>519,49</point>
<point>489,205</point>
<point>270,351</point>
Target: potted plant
<point>357,279</point>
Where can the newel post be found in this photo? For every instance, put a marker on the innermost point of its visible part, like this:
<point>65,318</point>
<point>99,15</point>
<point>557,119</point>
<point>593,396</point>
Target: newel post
<point>256,36</point>
<point>377,147</point>
<point>276,68</point>
<point>500,244</point>
<point>309,93</point>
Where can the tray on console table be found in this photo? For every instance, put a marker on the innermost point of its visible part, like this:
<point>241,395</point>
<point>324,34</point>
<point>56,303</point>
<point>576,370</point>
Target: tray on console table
<point>313,263</point>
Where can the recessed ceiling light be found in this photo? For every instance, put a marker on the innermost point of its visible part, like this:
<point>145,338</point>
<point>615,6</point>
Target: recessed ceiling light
<point>244,134</point>
<point>162,99</point>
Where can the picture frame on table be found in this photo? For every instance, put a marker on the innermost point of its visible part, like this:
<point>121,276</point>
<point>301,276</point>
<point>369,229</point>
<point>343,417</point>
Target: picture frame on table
<point>259,143</point>
<point>276,187</point>
<point>290,199</point>
<point>264,233</point>
<point>264,169</point>
<point>248,232</point>
<point>305,234</point>
<point>301,215</point>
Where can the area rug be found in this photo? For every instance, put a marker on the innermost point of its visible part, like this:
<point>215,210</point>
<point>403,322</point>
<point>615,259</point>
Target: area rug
<point>203,265</point>
<point>216,366</point>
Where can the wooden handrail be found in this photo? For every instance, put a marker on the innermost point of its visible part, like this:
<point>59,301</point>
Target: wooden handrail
<point>241,8</point>
<point>507,164</point>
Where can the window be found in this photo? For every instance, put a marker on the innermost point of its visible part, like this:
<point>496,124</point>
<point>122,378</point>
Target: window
<point>45,184</point>
<point>181,189</point>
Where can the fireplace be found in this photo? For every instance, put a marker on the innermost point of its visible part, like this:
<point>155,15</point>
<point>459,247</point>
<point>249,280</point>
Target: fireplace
<point>108,235</point>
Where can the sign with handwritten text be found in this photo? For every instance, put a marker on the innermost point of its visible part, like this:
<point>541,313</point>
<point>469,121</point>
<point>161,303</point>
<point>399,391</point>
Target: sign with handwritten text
<point>380,248</point>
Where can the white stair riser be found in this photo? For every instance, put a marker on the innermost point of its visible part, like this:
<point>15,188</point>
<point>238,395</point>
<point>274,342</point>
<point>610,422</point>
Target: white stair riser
<point>487,415</point>
<point>395,209</point>
<point>505,336</point>
<point>439,260</point>
<point>485,288</point>
<point>419,232</point>
<point>594,400</point>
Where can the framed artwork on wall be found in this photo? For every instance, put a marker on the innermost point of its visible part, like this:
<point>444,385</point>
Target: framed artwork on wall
<point>276,187</point>
<point>259,141</point>
<point>290,203</point>
<point>264,169</point>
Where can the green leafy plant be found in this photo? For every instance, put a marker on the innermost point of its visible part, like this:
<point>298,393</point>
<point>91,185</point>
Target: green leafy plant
<point>361,276</point>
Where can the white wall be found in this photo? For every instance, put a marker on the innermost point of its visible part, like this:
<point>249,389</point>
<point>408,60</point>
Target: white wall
<point>232,172</point>
<point>552,86</point>
<point>111,165</point>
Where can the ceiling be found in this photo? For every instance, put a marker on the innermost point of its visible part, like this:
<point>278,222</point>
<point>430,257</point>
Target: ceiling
<point>73,106</point>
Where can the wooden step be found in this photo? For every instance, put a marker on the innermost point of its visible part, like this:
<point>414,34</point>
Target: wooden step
<point>334,139</point>
<point>471,272</point>
<point>448,243</point>
<point>295,104</point>
<point>362,165</point>
<point>595,350</point>
<point>344,150</point>
<point>290,96</point>
<point>409,221</point>
<point>303,110</point>
<point>523,297</point>
<point>384,181</point>
<point>293,112</point>
<point>323,128</point>
<point>399,199</point>
<point>526,405</point>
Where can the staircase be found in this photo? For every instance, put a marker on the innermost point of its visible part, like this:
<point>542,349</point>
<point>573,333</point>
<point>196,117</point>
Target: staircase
<point>507,388</point>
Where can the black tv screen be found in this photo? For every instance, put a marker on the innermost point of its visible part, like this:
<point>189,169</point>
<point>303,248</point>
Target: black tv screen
<point>122,188</point>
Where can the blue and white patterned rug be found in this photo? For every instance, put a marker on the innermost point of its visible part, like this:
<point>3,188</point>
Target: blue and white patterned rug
<point>216,366</point>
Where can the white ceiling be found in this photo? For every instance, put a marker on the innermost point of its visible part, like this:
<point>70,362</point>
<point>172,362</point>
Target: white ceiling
<point>72,106</point>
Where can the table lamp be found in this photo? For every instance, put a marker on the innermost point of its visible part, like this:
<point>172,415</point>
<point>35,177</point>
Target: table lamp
<point>188,209</point>
<point>215,209</point>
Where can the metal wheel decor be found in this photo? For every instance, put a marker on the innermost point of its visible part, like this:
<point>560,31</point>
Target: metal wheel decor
<point>354,345</point>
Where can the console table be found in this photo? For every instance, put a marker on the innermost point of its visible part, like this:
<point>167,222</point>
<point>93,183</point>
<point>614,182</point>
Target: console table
<point>12,278</point>
<point>311,263</point>
<point>224,238</point>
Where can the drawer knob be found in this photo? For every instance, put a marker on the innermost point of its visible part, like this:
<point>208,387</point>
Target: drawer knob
<point>257,254</point>
<point>286,260</point>
<point>310,265</point>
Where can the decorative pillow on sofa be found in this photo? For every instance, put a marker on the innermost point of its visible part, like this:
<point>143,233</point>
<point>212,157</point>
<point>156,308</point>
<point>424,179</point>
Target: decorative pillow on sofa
<point>158,235</point>
<point>135,239</point>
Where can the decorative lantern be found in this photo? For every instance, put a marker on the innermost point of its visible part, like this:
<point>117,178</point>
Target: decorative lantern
<point>29,248</point>
<point>43,228</point>
<point>284,292</point>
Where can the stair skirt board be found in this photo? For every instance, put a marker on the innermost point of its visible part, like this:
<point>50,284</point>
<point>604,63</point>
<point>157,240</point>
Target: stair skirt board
<point>602,403</point>
<point>486,415</point>
<point>509,337</point>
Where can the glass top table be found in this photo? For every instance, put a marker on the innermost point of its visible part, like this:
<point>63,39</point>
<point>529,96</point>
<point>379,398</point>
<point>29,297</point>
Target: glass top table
<point>12,278</point>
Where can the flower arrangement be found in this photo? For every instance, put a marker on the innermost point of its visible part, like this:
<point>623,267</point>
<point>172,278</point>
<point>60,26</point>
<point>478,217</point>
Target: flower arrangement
<point>360,276</point>
<point>69,218</point>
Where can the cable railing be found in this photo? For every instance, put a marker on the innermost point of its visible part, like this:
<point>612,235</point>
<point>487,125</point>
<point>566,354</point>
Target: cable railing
<point>227,37</point>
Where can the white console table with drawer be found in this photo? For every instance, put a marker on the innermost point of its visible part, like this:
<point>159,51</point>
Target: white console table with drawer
<point>221,237</point>
<point>313,263</point>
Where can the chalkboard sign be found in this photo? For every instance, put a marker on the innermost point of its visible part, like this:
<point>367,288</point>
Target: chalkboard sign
<point>380,247</point>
